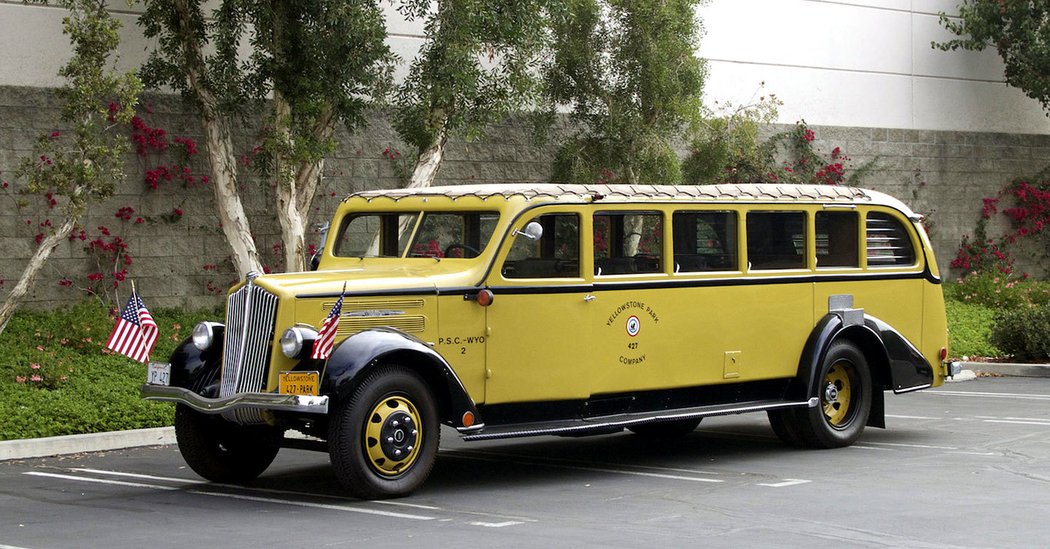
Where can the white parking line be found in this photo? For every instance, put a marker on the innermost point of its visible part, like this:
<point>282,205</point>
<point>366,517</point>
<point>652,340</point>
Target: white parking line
<point>787,482</point>
<point>544,463</point>
<point>260,499</point>
<point>923,446</point>
<point>1021,396</point>
<point>1045,423</point>
<point>496,524</point>
<point>189,482</point>
<point>910,417</point>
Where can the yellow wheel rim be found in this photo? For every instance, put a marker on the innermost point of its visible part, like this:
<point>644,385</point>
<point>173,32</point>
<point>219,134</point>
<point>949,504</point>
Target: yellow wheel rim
<point>836,397</point>
<point>393,433</point>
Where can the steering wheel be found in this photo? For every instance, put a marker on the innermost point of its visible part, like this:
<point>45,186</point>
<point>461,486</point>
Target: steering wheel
<point>461,246</point>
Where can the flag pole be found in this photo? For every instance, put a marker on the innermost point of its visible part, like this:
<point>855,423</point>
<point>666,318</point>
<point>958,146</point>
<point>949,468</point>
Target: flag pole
<point>324,368</point>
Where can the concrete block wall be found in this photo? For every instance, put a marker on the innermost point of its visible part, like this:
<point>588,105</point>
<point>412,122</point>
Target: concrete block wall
<point>957,168</point>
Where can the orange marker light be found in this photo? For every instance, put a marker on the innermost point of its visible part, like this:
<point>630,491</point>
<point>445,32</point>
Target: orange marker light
<point>468,419</point>
<point>485,298</point>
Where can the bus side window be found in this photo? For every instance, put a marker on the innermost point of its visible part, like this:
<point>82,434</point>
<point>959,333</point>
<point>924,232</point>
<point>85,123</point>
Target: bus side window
<point>628,243</point>
<point>837,239</point>
<point>555,255</point>
<point>776,240</point>
<point>704,241</point>
<point>888,242</point>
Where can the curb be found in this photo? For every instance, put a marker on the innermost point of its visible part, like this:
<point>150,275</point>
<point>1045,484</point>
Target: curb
<point>93,442</point>
<point>1009,369</point>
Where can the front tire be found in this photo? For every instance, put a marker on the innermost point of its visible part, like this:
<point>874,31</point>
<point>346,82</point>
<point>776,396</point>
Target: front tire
<point>845,399</point>
<point>383,440</point>
<point>221,451</point>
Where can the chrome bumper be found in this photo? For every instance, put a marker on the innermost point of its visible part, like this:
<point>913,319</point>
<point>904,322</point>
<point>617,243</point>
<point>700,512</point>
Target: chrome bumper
<point>266,401</point>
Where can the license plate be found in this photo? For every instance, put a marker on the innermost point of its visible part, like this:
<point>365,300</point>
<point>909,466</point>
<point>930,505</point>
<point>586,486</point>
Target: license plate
<point>298,383</point>
<point>158,373</point>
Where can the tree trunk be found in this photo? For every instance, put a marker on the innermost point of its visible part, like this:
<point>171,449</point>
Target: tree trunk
<point>33,268</point>
<point>227,196</point>
<point>429,162</point>
<point>234,222</point>
<point>297,187</point>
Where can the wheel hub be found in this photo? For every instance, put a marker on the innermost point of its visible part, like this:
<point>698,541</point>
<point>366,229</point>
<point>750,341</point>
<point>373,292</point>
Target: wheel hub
<point>392,435</point>
<point>838,393</point>
<point>831,393</point>
<point>398,436</point>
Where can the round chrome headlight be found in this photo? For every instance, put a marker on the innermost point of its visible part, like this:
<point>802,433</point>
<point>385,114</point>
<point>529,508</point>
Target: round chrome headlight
<point>204,334</point>
<point>295,339</point>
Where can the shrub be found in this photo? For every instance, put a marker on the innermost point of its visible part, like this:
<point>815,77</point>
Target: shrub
<point>1023,333</point>
<point>994,289</point>
<point>969,329</point>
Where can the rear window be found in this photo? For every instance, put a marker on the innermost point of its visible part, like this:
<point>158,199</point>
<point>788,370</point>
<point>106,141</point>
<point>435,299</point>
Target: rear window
<point>888,241</point>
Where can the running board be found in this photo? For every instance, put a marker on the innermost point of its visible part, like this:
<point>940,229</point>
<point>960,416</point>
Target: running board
<point>617,422</point>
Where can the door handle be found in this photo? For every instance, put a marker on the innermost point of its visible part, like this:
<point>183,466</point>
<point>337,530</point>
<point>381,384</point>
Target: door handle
<point>589,298</point>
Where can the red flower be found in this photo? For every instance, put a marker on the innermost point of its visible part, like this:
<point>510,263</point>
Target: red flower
<point>95,277</point>
<point>65,282</point>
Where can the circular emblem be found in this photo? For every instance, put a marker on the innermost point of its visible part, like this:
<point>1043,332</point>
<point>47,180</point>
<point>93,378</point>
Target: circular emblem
<point>633,325</point>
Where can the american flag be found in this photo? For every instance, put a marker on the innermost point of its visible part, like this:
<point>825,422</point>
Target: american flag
<point>326,337</point>
<point>135,333</point>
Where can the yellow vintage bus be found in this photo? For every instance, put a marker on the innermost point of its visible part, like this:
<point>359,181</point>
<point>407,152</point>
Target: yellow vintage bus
<point>510,311</point>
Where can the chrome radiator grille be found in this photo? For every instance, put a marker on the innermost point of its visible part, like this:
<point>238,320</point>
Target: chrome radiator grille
<point>251,313</point>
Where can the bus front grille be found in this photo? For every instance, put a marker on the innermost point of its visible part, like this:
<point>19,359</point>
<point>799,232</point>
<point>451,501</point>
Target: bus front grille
<point>251,314</point>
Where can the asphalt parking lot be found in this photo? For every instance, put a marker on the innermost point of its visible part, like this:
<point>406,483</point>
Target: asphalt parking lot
<point>965,465</point>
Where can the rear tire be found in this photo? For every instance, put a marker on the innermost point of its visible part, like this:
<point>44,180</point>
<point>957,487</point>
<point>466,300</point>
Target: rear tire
<point>666,430</point>
<point>844,391</point>
<point>785,425</point>
<point>221,451</point>
<point>383,440</point>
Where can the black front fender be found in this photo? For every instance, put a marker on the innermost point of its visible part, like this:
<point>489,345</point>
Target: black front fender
<point>194,369</point>
<point>356,355</point>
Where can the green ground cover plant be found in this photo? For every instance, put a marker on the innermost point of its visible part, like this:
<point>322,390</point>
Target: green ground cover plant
<point>55,378</point>
<point>969,329</point>
<point>991,314</point>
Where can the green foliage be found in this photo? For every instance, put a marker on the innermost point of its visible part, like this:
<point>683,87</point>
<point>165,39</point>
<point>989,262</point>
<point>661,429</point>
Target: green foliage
<point>790,156</point>
<point>969,329</point>
<point>472,70</point>
<point>1024,333</point>
<point>79,388</point>
<point>324,59</point>
<point>1018,29</point>
<point>727,147</point>
<point>999,291</point>
<point>629,74</point>
<point>85,164</point>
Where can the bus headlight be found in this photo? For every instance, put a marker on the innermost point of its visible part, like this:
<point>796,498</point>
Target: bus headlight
<point>205,333</point>
<point>296,340</point>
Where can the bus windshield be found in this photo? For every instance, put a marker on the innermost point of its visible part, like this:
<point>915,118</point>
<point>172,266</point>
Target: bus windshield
<point>425,234</point>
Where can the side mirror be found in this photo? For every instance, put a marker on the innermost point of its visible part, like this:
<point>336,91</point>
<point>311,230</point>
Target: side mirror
<point>532,231</point>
